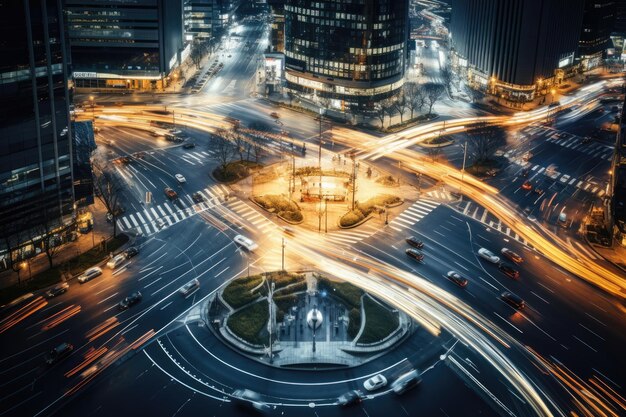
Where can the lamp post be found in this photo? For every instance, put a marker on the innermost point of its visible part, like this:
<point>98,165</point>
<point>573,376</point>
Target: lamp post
<point>92,102</point>
<point>552,92</point>
<point>282,265</point>
<point>462,169</point>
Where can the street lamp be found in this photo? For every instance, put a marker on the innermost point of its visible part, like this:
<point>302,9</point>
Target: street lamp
<point>553,92</point>
<point>92,102</point>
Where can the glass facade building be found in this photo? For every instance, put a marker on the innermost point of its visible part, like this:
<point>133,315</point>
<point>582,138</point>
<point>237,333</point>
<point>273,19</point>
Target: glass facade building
<point>36,155</point>
<point>348,51</point>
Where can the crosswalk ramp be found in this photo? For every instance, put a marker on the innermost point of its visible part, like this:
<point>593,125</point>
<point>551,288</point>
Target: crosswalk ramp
<point>485,217</point>
<point>155,218</point>
<point>412,215</point>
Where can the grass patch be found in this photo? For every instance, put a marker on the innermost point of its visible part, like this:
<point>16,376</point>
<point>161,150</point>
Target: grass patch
<point>379,322</point>
<point>234,171</point>
<point>250,323</point>
<point>280,205</point>
<point>238,293</point>
<point>364,209</point>
<point>52,276</point>
<point>313,171</point>
<point>354,323</point>
<point>346,292</point>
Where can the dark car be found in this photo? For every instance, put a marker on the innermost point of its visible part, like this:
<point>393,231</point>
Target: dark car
<point>57,290</point>
<point>513,300</point>
<point>350,398</point>
<point>508,270</point>
<point>538,190</point>
<point>131,300</point>
<point>197,197</point>
<point>457,279</point>
<point>415,254</point>
<point>130,252</point>
<point>512,255</point>
<point>189,145</point>
<point>58,353</point>
<point>413,241</point>
<point>586,139</point>
<point>171,194</point>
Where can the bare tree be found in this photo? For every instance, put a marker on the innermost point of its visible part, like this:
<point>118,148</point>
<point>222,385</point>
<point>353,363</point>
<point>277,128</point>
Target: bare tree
<point>401,104</point>
<point>483,142</point>
<point>51,242</point>
<point>433,94</point>
<point>381,112</point>
<point>109,188</point>
<point>257,150</point>
<point>224,152</point>
<point>198,50</point>
<point>240,145</point>
<point>414,97</point>
<point>446,76</point>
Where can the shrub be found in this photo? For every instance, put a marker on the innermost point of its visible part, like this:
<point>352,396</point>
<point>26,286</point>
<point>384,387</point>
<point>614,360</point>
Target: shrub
<point>238,293</point>
<point>351,218</point>
<point>379,322</point>
<point>249,323</point>
<point>354,324</point>
<point>346,292</point>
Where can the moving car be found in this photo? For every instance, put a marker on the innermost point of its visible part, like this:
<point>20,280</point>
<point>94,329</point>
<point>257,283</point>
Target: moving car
<point>406,381</point>
<point>508,253</point>
<point>375,382</point>
<point>350,398</point>
<point>488,255</point>
<point>131,300</point>
<point>58,353</point>
<point>130,252</point>
<point>197,197</point>
<point>513,300</point>
<point>508,270</point>
<point>416,243</point>
<point>189,145</point>
<point>89,274</point>
<point>246,398</point>
<point>57,290</point>
<point>180,178</point>
<point>274,115</point>
<point>189,287</point>
<point>246,243</point>
<point>171,194</point>
<point>527,186</point>
<point>116,261</point>
<point>415,254</point>
<point>457,279</point>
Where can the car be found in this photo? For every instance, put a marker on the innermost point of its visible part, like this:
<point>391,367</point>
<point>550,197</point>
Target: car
<point>176,131</point>
<point>492,172</point>
<point>246,243</point>
<point>171,194</point>
<point>508,270</point>
<point>508,253</point>
<point>538,190</point>
<point>415,254</point>
<point>116,261</point>
<point>189,287</point>
<point>197,197</point>
<point>488,255</point>
<point>130,252</point>
<point>527,186</point>
<point>246,398</point>
<point>289,231</point>
<point>457,279</point>
<point>587,139</point>
<point>58,353</point>
<point>274,115</point>
<point>57,290</point>
<point>155,133</point>
<point>513,300</point>
<point>350,398</point>
<point>180,178</point>
<point>189,145</point>
<point>129,301</point>
<point>89,274</point>
<point>406,381</point>
<point>413,241</point>
<point>375,382</point>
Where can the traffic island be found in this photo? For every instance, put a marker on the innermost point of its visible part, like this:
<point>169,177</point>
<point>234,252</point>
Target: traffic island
<point>362,211</point>
<point>307,321</point>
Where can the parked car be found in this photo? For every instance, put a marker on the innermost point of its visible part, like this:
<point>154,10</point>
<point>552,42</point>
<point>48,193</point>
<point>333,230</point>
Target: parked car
<point>130,252</point>
<point>89,274</point>
<point>513,300</point>
<point>415,254</point>
<point>57,290</point>
<point>508,253</point>
<point>406,381</point>
<point>189,287</point>
<point>508,270</point>
<point>246,243</point>
<point>488,255</point>
<point>350,398</point>
<point>171,194</point>
<point>457,279</point>
<point>116,261</point>
<point>180,178</point>
<point>197,197</point>
<point>129,301</point>
<point>416,243</point>
<point>375,382</point>
<point>527,186</point>
<point>58,353</point>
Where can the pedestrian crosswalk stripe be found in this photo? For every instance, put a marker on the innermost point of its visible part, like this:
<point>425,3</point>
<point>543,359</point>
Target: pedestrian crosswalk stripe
<point>140,217</point>
<point>168,220</point>
<point>147,215</point>
<point>398,219</point>
<point>168,208</point>
<point>133,220</point>
<point>162,211</point>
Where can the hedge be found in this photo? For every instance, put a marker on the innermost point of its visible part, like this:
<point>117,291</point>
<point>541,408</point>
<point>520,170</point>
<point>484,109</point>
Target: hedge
<point>237,294</point>
<point>250,323</point>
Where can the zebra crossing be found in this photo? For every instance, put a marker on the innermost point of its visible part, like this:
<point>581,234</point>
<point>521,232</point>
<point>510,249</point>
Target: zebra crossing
<point>485,217</point>
<point>412,215</point>
<point>573,142</point>
<point>153,219</point>
<point>197,157</point>
<point>441,195</point>
<point>349,237</point>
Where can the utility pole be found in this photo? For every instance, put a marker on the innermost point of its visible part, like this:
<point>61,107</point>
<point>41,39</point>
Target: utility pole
<point>353,179</point>
<point>463,169</point>
<point>270,303</point>
<point>282,268</point>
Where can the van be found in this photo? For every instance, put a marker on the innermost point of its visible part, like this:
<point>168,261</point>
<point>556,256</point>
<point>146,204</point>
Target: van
<point>116,261</point>
<point>406,381</point>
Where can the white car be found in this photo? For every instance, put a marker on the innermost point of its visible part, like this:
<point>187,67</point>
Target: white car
<point>246,243</point>
<point>189,287</point>
<point>375,382</point>
<point>89,274</point>
<point>488,255</point>
<point>180,178</point>
<point>116,261</point>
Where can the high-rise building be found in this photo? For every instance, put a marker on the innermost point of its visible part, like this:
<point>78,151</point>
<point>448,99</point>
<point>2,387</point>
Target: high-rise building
<point>516,48</point>
<point>36,155</point>
<point>348,52</point>
<point>595,36</point>
<point>204,19</point>
<point>124,45</point>
<point>277,34</point>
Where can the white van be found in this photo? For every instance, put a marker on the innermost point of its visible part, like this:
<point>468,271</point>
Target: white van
<point>116,261</point>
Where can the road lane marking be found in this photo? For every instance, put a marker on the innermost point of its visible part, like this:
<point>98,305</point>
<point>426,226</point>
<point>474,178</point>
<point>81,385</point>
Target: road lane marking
<point>109,297</point>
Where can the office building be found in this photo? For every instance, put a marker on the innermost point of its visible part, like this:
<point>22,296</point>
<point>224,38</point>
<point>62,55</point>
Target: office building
<point>124,45</point>
<point>516,49</point>
<point>595,35</point>
<point>36,155</point>
<point>348,52</point>
<point>204,20</point>
<point>277,34</point>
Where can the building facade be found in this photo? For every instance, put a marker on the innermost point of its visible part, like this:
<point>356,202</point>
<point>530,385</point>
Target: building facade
<point>205,19</point>
<point>348,52</point>
<point>595,35</point>
<point>124,45</point>
<point>516,48</point>
<point>36,155</point>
